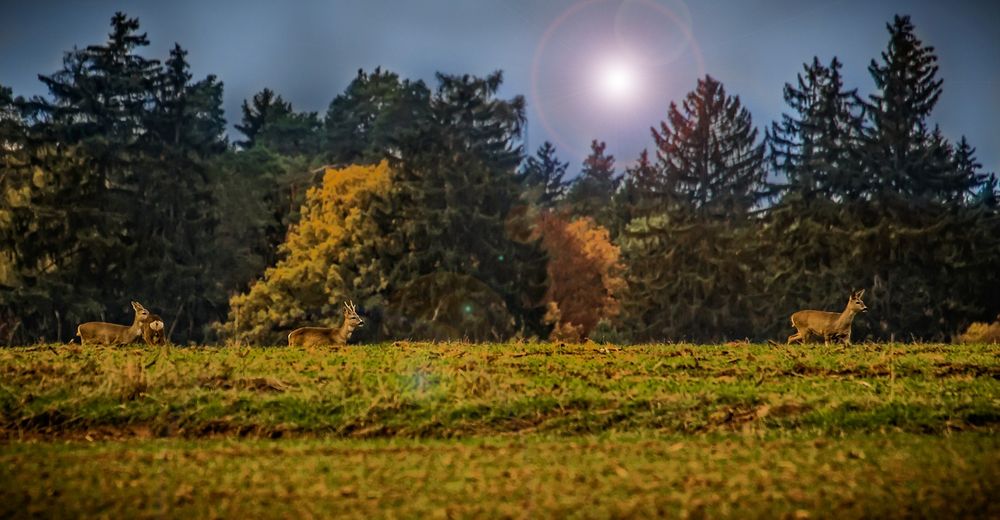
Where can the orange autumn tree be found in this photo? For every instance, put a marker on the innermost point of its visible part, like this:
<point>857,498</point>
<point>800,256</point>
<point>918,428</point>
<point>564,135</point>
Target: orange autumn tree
<point>585,275</point>
<point>308,285</point>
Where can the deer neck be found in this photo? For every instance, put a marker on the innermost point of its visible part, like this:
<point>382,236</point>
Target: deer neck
<point>344,332</point>
<point>846,318</point>
<point>135,330</point>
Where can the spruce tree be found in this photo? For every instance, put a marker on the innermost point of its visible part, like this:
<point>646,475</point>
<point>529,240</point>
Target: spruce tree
<point>644,191</point>
<point>905,156</point>
<point>367,121</point>
<point>447,218</point>
<point>268,120</point>
<point>173,211</point>
<point>815,149</point>
<point>806,232</point>
<point>263,107</point>
<point>542,176</point>
<point>591,193</point>
<point>690,262</point>
<point>709,153</point>
<point>88,135</point>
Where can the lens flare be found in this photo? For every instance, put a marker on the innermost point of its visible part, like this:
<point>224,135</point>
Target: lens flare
<point>618,81</point>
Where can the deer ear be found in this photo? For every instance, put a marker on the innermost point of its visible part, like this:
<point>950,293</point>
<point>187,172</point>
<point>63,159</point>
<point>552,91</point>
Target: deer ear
<point>861,293</point>
<point>136,305</point>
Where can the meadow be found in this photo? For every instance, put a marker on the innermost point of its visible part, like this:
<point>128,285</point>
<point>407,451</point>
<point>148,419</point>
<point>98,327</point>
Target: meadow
<point>512,430</point>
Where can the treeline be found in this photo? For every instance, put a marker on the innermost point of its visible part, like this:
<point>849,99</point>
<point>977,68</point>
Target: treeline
<point>419,204</point>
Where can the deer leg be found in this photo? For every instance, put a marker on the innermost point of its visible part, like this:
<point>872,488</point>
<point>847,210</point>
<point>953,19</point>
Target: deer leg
<point>795,337</point>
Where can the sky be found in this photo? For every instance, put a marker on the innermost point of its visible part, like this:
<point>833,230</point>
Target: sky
<point>591,69</point>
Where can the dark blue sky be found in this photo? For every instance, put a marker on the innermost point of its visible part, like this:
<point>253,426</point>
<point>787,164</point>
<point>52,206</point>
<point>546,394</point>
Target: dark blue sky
<point>556,52</point>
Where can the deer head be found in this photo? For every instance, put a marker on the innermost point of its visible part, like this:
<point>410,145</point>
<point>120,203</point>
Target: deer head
<point>351,315</point>
<point>854,304</point>
<point>141,314</point>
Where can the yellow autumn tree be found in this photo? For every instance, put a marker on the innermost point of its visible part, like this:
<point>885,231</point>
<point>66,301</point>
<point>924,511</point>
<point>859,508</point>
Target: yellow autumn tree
<point>585,275</point>
<point>307,285</point>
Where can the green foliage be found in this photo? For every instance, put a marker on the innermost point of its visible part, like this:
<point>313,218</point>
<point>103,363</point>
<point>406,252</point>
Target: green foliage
<point>542,176</point>
<point>709,153</point>
<point>817,149</point>
<point>689,279</point>
<point>590,194</point>
<point>450,209</point>
<point>690,259</point>
<point>365,123</point>
<point>270,121</point>
<point>905,158</point>
<point>114,196</point>
<point>888,206</point>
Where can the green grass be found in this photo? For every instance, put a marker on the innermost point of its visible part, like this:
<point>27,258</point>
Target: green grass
<point>879,476</point>
<point>417,429</point>
<point>449,390</point>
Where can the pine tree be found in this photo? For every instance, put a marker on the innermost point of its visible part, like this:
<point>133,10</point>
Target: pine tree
<point>265,106</point>
<point>269,120</point>
<point>365,124</point>
<point>806,233</point>
<point>17,181</point>
<point>709,153</point>
<point>644,192</point>
<point>967,166</point>
<point>448,214</point>
<point>87,145</point>
<point>690,260</point>
<point>816,149</point>
<point>173,210</point>
<point>590,194</point>
<point>542,176</point>
<point>905,157</point>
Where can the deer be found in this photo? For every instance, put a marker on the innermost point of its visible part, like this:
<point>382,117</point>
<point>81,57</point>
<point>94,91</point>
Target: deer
<point>829,325</point>
<point>101,333</point>
<point>315,336</point>
<point>153,332</point>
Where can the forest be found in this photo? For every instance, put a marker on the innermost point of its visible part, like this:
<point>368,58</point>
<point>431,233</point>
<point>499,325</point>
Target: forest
<point>420,203</point>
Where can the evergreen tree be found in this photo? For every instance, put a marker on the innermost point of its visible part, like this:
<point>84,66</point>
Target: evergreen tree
<point>447,219</point>
<point>690,258</point>
<point>17,180</point>
<point>967,166</point>
<point>542,176</point>
<point>644,192</point>
<point>816,148</point>
<point>265,106</point>
<point>709,153</point>
<point>905,157</point>
<point>376,111</point>
<point>806,233</point>
<point>591,192</point>
<point>269,120</point>
<point>173,210</point>
<point>87,145</point>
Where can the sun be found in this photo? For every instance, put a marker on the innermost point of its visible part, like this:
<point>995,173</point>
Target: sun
<point>618,81</point>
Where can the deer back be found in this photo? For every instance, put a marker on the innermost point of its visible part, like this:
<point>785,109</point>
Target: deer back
<point>103,333</point>
<point>821,322</point>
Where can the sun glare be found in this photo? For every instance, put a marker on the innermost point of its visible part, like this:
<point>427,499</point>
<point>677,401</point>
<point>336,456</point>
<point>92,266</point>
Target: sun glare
<point>618,81</point>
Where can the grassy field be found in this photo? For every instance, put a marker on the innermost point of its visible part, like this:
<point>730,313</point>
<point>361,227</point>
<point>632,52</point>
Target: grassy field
<point>415,429</point>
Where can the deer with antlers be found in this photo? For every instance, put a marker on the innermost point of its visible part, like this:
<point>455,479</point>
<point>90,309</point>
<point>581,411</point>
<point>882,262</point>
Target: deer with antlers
<point>101,333</point>
<point>828,325</point>
<point>316,336</point>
